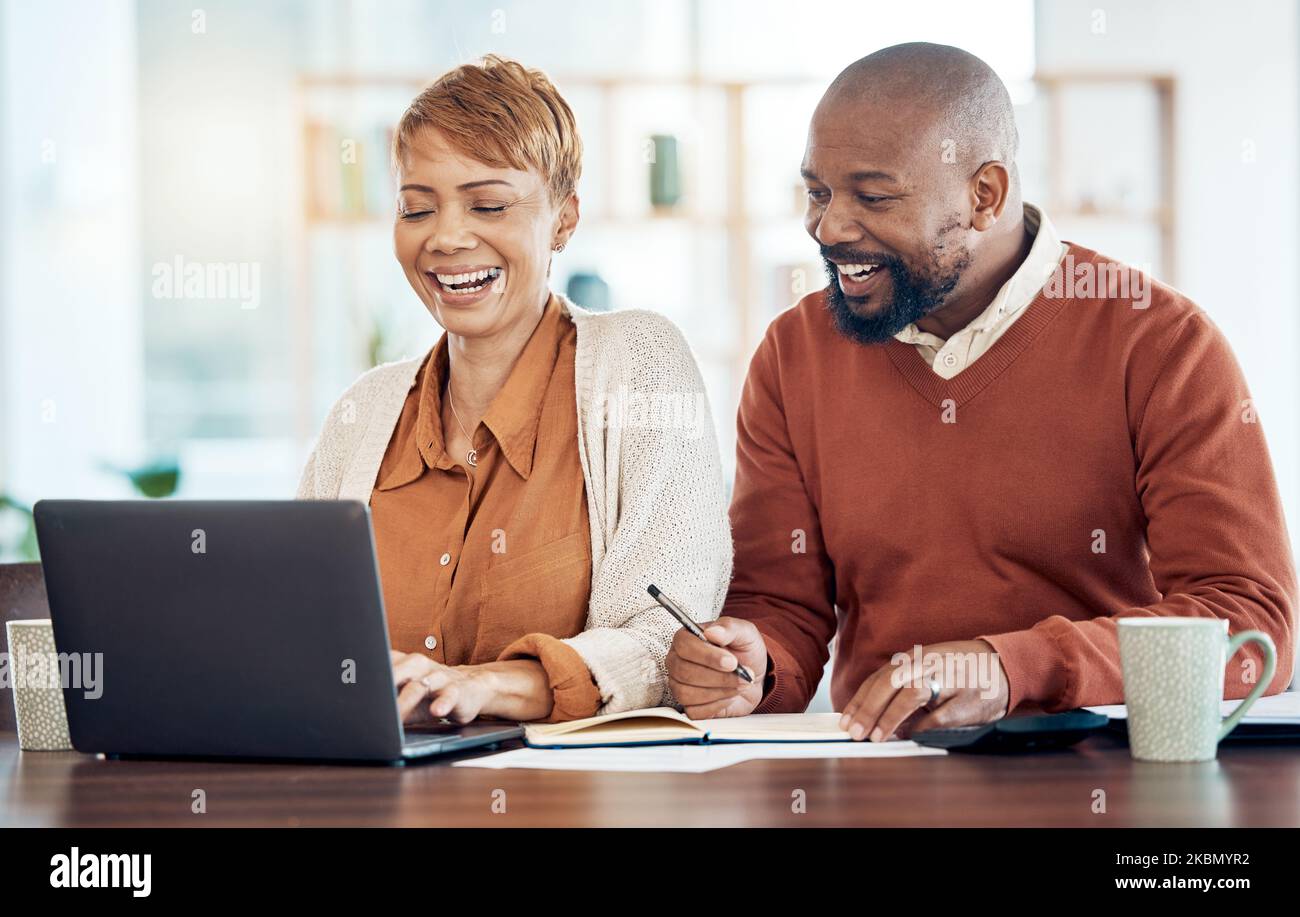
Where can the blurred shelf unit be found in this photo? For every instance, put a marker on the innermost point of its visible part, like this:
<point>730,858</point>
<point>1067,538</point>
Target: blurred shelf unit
<point>346,175</point>
<point>1110,161</point>
<point>728,226</point>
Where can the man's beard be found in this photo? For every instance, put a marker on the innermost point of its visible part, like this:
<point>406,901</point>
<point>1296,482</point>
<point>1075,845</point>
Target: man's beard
<point>912,294</point>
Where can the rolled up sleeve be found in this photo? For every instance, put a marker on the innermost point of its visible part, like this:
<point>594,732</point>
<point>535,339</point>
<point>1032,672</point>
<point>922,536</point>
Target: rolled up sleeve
<point>574,694</point>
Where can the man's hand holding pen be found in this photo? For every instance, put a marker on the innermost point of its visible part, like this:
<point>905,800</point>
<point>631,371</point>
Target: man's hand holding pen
<point>702,673</point>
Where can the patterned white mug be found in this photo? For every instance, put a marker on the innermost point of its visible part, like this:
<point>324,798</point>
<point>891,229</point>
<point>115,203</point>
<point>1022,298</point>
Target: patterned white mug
<point>37,685</point>
<point>1173,684</point>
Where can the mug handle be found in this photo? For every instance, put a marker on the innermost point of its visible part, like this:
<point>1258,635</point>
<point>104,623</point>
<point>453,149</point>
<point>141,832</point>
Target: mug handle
<point>1270,666</point>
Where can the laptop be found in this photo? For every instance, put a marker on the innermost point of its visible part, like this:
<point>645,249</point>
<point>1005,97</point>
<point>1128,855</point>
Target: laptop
<point>229,629</point>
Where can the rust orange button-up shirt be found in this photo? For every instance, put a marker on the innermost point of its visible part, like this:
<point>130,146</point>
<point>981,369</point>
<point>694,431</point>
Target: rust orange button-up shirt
<point>494,561</point>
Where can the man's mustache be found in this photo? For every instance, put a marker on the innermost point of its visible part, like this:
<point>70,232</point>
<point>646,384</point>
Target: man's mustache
<point>855,256</point>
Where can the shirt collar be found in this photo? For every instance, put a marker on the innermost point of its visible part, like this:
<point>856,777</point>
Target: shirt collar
<point>426,447</point>
<point>429,440</point>
<point>1023,286</point>
<point>514,415</point>
<point>1020,289</point>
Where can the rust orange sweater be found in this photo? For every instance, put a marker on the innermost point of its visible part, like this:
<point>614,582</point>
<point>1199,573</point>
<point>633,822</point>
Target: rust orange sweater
<point>1100,460</point>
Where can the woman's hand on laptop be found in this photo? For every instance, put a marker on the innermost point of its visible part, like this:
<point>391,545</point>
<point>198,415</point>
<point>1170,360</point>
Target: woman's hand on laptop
<point>428,691</point>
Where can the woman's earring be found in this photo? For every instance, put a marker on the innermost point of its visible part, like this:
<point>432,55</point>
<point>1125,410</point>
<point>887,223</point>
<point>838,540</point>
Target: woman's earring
<point>559,247</point>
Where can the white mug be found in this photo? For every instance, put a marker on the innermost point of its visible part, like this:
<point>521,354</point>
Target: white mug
<point>39,711</point>
<point>1173,684</point>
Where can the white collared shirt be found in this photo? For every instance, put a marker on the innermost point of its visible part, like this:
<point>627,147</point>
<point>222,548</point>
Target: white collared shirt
<point>948,358</point>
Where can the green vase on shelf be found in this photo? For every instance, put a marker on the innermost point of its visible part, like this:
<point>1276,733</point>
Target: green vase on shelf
<point>665,176</point>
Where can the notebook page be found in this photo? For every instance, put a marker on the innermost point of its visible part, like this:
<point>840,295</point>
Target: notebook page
<point>662,714</point>
<point>688,759</point>
<point>1275,709</point>
<point>777,727</point>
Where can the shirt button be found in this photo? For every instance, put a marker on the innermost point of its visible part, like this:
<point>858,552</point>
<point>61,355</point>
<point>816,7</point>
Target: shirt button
<point>430,642</point>
<point>444,559</point>
<point>949,360</point>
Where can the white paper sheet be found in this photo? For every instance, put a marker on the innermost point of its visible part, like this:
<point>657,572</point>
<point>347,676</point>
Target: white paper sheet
<point>687,759</point>
<point>1279,708</point>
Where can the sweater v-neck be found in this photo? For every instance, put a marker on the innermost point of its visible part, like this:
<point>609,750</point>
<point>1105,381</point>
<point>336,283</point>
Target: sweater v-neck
<point>975,378</point>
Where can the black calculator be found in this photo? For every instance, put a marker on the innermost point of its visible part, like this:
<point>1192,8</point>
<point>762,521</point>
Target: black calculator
<point>1017,734</point>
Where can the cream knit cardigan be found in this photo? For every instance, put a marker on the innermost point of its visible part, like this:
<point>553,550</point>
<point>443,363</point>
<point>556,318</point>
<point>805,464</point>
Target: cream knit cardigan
<point>655,496</point>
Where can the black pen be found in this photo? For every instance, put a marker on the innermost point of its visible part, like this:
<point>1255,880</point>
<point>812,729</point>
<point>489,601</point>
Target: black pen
<point>684,620</point>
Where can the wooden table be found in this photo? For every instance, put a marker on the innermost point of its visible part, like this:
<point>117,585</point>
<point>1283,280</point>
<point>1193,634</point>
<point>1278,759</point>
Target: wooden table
<point>1246,786</point>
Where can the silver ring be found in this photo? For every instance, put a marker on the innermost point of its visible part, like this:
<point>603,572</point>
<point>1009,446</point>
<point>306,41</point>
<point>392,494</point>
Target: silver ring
<point>935,688</point>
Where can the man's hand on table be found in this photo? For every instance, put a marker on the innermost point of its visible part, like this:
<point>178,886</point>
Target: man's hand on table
<point>883,707</point>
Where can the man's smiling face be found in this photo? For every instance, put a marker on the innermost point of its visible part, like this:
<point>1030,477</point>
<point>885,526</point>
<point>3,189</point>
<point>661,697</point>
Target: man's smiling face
<point>884,208</point>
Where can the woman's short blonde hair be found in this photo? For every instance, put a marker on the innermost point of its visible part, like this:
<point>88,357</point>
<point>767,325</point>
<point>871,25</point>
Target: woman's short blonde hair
<point>503,114</point>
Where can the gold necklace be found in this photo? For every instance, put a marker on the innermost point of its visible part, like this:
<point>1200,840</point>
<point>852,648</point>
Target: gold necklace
<point>472,455</point>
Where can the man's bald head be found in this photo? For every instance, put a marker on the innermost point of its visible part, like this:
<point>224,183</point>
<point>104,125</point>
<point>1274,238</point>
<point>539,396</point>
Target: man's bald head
<point>951,94</point>
<point>913,194</point>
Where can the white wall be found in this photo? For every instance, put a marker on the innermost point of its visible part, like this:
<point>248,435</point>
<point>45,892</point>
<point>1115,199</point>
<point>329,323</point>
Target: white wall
<point>1237,240</point>
<point>70,343</point>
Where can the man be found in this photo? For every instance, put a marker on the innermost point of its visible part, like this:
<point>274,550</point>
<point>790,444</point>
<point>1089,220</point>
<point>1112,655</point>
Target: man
<point>978,446</point>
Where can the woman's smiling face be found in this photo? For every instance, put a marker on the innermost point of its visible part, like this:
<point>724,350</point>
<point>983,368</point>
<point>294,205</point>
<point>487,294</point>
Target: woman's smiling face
<point>475,240</point>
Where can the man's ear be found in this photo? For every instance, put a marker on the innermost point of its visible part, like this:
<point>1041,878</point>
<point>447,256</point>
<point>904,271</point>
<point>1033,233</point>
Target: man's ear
<point>990,188</point>
<point>567,219</point>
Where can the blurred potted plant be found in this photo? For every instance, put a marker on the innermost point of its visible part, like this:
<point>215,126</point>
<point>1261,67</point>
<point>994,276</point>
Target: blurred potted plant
<point>155,479</point>
<point>17,531</point>
<point>159,478</point>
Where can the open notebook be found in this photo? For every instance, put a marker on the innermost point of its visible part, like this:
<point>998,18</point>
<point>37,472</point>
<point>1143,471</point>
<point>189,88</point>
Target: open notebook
<point>666,726</point>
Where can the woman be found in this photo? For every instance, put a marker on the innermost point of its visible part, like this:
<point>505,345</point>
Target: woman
<point>516,535</point>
